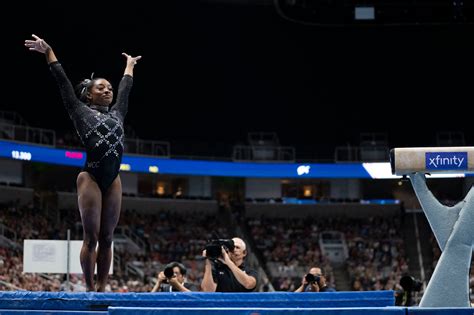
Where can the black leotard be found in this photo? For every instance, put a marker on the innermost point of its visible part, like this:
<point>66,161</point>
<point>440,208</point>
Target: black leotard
<point>100,129</point>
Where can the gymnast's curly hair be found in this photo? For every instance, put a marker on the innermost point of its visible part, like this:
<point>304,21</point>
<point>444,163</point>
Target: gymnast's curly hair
<point>83,87</point>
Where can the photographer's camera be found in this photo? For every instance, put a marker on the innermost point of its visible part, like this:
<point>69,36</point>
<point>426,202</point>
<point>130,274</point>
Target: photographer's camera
<point>169,272</point>
<point>214,247</point>
<point>310,278</point>
<point>410,284</point>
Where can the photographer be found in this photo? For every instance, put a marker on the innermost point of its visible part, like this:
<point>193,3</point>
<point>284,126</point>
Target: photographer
<point>408,290</point>
<point>173,279</point>
<point>227,272</point>
<point>314,281</point>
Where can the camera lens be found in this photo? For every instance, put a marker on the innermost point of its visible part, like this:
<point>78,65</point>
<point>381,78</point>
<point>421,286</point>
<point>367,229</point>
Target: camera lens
<point>169,273</point>
<point>229,244</point>
<point>213,251</point>
<point>310,277</point>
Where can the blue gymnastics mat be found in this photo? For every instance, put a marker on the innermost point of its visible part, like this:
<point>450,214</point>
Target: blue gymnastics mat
<point>92,301</point>
<point>258,311</point>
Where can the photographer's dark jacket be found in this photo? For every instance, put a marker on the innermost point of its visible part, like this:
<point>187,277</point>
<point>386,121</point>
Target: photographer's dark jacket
<point>226,281</point>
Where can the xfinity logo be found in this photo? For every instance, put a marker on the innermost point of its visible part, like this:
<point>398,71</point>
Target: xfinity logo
<point>303,169</point>
<point>446,160</point>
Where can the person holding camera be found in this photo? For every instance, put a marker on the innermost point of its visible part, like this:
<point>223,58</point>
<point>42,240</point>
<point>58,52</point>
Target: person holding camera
<point>173,279</point>
<point>314,281</point>
<point>225,270</point>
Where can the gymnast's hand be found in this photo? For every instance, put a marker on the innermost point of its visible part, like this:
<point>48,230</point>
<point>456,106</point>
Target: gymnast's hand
<point>38,44</point>
<point>131,60</point>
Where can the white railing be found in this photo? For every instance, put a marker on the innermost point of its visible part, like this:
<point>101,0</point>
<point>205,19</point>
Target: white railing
<point>126,233</point>
<point>27,134</point>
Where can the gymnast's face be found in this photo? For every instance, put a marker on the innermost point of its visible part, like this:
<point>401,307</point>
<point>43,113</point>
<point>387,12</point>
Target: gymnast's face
<point>100,93</point>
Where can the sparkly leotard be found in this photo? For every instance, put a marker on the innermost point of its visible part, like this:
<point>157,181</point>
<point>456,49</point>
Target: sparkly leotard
<point>100,129</point>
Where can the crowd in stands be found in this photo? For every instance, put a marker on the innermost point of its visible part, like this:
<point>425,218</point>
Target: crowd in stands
<point>167,237</point>
<point>377,257</point>
<point>376,250</point>
<point>286,246</point>
<point>173,237</point>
